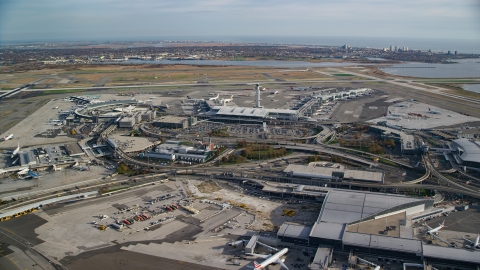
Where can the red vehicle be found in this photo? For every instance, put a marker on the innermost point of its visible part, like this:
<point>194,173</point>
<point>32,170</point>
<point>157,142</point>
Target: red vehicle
<point>175,206</point>
<point>127,222</point>
<point>144,216</point>
<point>168,208</point>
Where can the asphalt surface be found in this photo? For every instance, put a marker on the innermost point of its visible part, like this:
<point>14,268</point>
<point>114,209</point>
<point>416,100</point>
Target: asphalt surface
<point>460,221</point>
<point>121,259</point>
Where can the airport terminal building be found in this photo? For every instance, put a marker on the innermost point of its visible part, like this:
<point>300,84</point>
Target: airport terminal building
<point>245,114</point>
<point>374,224</point>
<point>468,151</point>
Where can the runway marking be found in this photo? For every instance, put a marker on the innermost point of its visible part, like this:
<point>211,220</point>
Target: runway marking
<point>373,107</point>
<point>348,112</point>
<point>458,221</point>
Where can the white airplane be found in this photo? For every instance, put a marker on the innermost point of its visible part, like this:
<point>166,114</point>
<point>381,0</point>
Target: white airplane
<point>16,150</point>
<point>214,98</point>
<point>15,161</point>
<point>269,259</point>
<point>235,243</point>
<point>195,99</point>
<point>23,172</point>
<point>434,111</point>
<point>396,118</point>
<point>8,137</point>
<point>396,114</point>
<point>432,231</point>
<point>475,244</point>
<point>227,100</point>
<point>298,88</point>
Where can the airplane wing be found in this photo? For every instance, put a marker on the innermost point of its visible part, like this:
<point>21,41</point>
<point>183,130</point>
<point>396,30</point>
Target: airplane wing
<point>428,227</point>
<point>261,255</point>
<point>281,263</point>
<point>440,239</point>
<point>470,241</point>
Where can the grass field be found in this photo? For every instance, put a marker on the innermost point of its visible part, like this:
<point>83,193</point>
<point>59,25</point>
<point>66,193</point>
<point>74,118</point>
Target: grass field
<point>342,75</point>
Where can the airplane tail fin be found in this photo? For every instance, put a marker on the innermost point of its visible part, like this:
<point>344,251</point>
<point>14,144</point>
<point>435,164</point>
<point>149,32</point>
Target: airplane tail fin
<point>443,223</point>
<point>291,87</point>
<point>429,109</point>
<point>257,265</point>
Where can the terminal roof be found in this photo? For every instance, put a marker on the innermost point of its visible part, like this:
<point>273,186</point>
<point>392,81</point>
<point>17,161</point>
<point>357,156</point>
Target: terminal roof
<point>294,230</point>
<point>346,206</point>
<point>455,254</point>
<point>471,149</point>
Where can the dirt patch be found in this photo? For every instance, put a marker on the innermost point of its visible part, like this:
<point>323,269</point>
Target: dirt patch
<point>208,187</point>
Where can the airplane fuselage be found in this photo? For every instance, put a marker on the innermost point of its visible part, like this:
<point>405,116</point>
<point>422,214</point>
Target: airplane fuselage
<point>271,259</point>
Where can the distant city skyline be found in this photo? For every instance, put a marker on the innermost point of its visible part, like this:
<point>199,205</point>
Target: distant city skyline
<point>102,19</point>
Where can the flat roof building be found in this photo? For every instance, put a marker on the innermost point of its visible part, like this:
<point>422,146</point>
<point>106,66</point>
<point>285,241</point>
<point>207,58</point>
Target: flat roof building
<point>253,114</point>
<point>74,150</point>
<point>172,122</point>
<point>333,172</point>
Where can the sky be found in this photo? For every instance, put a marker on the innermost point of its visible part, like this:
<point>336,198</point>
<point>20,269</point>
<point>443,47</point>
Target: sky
<point>103,19</point>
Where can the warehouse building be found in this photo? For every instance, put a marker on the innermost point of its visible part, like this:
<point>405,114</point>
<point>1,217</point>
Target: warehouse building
<point>467,151</point>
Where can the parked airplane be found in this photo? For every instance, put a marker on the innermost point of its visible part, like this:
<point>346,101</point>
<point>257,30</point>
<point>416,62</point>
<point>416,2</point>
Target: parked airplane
<point>434,111</point>
<point>435,230</point>
<point>16,151</point>
<point>396,114</point>
<point>269,259</point>
<point>23,172</point>
<point>15,161</point>
<point>299,88</point>
<point>235,243</point>
<point>195,99</point>
<point>214,98</point>
<point>227,100</point>
<point>475,244</point>
<point>8,137</point>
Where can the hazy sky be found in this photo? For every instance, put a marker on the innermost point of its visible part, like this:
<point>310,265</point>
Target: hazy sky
<point>67,19</point>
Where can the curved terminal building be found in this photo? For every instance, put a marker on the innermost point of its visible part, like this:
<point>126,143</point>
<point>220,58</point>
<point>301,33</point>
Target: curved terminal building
<point>468,152</point>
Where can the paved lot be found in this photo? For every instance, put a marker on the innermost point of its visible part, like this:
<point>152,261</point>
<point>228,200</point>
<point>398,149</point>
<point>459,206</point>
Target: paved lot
<point>460,221</point>
<point>429,120</point>
<point>121,259</point>
<point>49,182</point>
<point>34,129</point>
